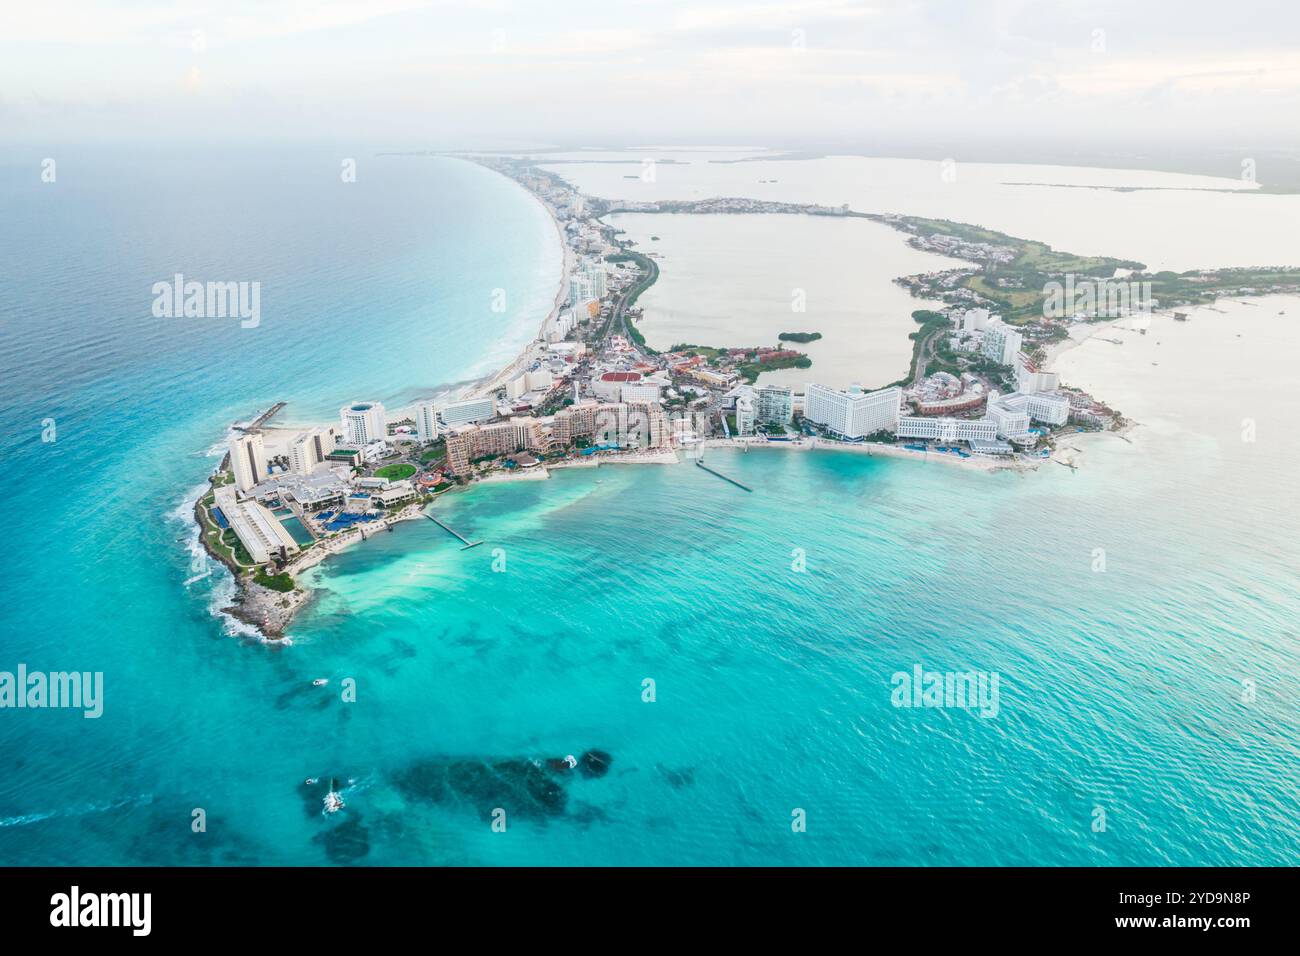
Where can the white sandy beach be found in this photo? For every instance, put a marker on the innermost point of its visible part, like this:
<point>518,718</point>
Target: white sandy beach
<point>872,450</point>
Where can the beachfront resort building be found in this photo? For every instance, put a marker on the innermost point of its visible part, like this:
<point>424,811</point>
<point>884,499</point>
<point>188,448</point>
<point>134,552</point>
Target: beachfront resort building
<point>594,271</point>
<point>975,320</point>
<point>589,282</point>
<point>538,381</point>
<point>774,404</point>
<point>309,449</point>
<point>745,415</point>
<point>621,424</point>
<point>854,413</point>
<point>466,412</point>
<point>470,442</point>
<point>393,493</point>
<point>248,461</point>
<point>947,429</point>
<point>1047,407</point>
<point>426,421</point>
<point>1030,381</point>
<point>1001,342</point>
<point>579,419</point>
<point>611,424</point>
<point>763,405</point>
<point>363,423</point>
<point>568,352</point>
<point>558,328</point>
<point>258,530</point>
<point>1012,420</point>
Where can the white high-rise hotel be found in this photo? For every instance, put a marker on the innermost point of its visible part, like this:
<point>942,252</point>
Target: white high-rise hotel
<point>467,411</point>
<point>363,422</point>
<point>426,421</point>
<point>248,461</point>
<point>774,404</point>
<point>1001,341</point>
<point>310,448</point>
<point>855,413</point>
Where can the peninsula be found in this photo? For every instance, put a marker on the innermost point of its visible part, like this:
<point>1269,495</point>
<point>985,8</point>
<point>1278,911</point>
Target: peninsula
<point>979,391</point>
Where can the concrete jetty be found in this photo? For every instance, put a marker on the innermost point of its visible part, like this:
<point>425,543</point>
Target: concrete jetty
<point>452,531</point>
<point>723,477</point>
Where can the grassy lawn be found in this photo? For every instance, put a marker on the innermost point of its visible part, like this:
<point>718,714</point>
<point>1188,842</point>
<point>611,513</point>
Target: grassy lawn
<point>1013,299</point>
<point>396,472</point>
<point>276,582</point>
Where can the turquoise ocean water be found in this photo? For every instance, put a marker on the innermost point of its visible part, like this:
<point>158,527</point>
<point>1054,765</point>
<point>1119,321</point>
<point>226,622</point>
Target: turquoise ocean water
<point>1119,690</point>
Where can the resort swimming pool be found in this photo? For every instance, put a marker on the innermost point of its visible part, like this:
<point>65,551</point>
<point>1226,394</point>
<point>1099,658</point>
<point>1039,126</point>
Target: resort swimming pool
<point>295,528</point>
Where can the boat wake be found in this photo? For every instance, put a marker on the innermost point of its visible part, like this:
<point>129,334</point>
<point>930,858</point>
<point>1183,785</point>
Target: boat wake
<point>26,819</point>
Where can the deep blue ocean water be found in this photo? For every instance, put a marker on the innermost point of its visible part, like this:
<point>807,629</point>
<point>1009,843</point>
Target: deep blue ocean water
<point>1119,690</point>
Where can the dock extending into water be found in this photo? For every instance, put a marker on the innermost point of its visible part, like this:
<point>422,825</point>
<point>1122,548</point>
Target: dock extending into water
<point>452,531</point>
<point>252,426</point>
<point>733,481</point>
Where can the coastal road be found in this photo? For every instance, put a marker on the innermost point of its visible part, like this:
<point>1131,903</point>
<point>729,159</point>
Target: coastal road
<point>925,353</point>
<point>619,324</point>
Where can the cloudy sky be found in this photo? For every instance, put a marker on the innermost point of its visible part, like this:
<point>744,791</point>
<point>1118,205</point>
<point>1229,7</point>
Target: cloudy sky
<point>819,72</point>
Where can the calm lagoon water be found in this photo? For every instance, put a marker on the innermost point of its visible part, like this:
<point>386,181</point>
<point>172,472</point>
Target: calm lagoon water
<point>737,280</point>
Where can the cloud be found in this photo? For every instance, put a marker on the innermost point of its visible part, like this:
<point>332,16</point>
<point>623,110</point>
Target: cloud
<point>583,68</point>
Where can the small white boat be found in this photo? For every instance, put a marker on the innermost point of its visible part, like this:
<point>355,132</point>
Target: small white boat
<point>310,782</point>
<point>320,682</point>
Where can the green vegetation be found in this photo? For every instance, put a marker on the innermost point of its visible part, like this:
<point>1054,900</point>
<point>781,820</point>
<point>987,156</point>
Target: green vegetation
<point>1017,305</point>
<point>1016,287</point>
<point>276,582</point>
<point>435,451</point>
<point>236,547</point>
<point>637,336</point>
<point>704,351</point>
<point>1032,256</point>
<point>396,472</point>
<point>799,336</point>
<point>935,322</point>
<point>750,371</point>
<point>931,323</point>
<point>1200,286</point>
<point>651,272</point>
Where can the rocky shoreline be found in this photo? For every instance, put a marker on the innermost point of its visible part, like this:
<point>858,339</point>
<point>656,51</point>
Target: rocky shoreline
<point>270,612</point>
<point>262,608</point>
